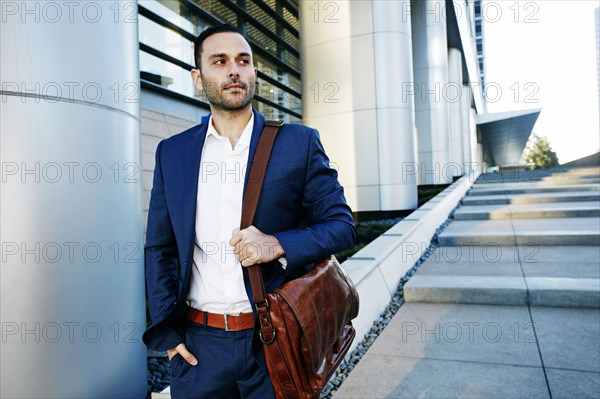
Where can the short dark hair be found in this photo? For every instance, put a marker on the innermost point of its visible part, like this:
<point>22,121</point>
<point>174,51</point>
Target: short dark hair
<point>206,33</point>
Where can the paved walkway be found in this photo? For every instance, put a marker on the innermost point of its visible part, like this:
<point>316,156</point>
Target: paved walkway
<point>508,304</point>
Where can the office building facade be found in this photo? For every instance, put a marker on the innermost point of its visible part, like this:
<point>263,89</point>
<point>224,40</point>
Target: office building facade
<point>394,87</point>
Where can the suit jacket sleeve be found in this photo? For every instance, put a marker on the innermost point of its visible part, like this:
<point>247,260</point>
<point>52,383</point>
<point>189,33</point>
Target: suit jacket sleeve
<point>330,226</point>
<point>162,266</point>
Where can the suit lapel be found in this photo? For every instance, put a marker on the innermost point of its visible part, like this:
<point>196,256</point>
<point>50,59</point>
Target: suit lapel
<point>192,153</point>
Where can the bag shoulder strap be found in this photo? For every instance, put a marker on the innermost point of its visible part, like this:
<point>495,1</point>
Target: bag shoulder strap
<point>258,170</point>
<point>255,181</point>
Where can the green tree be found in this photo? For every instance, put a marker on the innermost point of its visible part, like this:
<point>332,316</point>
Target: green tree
<point>540,154</point>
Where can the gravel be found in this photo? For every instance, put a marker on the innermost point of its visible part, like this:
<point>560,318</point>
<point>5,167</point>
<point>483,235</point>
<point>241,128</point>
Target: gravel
<point>159,373</point>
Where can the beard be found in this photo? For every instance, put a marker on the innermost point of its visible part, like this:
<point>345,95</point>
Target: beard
<point>215,93</point>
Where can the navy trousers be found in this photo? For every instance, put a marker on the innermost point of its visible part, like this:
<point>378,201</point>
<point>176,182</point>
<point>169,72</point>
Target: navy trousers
<point>226,366</point>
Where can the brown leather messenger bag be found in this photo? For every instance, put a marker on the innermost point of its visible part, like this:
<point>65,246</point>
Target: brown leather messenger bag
<point>305,325</point>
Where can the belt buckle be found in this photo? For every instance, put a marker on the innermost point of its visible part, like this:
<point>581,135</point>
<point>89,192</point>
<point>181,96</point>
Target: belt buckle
<point>226,322</point>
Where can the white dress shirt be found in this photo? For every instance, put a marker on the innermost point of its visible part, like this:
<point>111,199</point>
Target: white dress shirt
<point>217,283</point>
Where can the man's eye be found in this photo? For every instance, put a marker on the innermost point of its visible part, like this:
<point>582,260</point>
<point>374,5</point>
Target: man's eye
<point>219,62</point>
<point>245,61</point>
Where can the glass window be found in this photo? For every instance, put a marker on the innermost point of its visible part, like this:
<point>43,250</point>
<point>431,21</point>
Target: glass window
<point>274,113</point>
<point>291,19</point>
<point>219,10</point>
<point>291,60</point>
<point>262,40</point>
<point>262,17</point>
<point>177,13</point>
<point>167,75</point>
<point>277,95</point>
<point>291,39</point>
<point>165,40</point>
<point>174,78</point>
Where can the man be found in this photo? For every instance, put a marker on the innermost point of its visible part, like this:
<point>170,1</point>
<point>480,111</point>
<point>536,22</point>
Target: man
<point>198,289</point>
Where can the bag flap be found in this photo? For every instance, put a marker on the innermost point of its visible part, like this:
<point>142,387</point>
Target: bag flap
<point>324,301</point>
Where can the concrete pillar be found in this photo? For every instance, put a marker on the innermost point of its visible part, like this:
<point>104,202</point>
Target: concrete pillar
<point>466,128</point>
<point>72,285</point>
<point>430,63</point>
<point>356,60</point>
<point>453,96</point>
<point>476,148</point>
<point>395,114</point>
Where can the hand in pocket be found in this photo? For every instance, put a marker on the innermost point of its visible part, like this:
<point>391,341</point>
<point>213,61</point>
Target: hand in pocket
<point>185,354</point>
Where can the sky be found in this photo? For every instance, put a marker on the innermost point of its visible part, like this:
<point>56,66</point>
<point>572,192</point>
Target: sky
<point>542,54</point>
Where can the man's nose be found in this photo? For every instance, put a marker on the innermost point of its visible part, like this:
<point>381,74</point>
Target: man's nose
<point>234,72</point>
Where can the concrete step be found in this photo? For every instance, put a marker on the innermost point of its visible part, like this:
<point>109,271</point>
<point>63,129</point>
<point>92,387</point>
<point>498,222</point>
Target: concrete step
<point>537,175</point>
<point>462,289</point>
<point>564,292</point>
<point>528,211</point>
<point>539,198</point>
<point>552,180</point>
<point>588,171</point>
<point>529,184</point>
<point>539,232</point>
<point>560,179</point>
<point>583,171</point>
<point>566,180</point>
<point>513,261</point>
<point>528,188</point>
<point>484,290</point>
<point>580,175</point>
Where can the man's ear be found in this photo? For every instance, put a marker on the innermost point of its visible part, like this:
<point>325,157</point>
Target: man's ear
<point>197,78</point>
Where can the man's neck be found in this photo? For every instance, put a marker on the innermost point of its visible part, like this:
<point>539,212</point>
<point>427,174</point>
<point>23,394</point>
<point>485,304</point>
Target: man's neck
<point>231,124</point>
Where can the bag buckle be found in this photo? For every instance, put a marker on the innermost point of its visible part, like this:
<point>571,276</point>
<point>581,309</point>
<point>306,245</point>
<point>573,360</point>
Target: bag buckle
<point>262,339</point>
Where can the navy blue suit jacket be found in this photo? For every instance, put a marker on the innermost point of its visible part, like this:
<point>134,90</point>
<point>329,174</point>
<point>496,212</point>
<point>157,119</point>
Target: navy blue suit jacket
<point>301,203</point>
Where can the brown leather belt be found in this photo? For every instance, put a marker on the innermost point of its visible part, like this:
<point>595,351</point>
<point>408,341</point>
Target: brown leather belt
<point>243,321</point>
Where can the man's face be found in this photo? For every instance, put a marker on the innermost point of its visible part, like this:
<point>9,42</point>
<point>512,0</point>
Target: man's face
<point>228,75</point>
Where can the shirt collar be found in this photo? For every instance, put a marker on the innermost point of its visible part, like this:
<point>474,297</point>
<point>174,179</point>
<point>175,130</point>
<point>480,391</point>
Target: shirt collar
<point>244,140</point>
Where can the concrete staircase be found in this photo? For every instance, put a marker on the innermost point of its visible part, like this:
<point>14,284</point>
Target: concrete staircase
<point>507,306</point>
<point>542,250</point>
